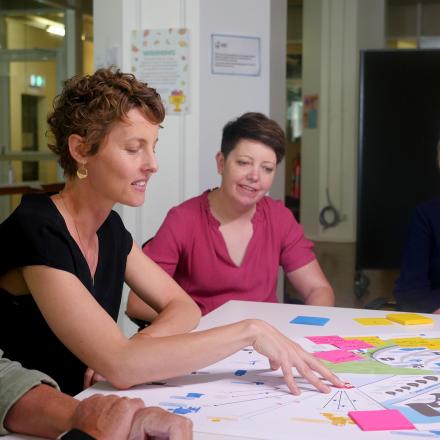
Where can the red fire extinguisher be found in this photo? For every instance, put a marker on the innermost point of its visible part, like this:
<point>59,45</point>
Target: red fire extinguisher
<point>296,178</point>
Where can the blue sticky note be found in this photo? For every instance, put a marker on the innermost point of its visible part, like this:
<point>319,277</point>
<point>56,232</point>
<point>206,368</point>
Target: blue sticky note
<point>310,320</point>
<point>194,395</point>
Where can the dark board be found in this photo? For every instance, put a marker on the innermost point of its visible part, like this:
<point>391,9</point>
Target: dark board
<point>399,127</point>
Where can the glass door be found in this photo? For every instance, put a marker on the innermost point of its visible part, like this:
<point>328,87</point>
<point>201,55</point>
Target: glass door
<point>33,65</point>
<point>31,82</point>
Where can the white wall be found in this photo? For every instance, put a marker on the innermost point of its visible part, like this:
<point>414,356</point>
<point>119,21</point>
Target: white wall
<point>188,143</point>
<point>277,83</point>
<point>310,151</point>
<point>334,33</point>
<point>114,21</point>
<point>226,96</point>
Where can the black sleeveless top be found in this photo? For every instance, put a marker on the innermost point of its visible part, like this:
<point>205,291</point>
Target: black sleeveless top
<point>36,234</point>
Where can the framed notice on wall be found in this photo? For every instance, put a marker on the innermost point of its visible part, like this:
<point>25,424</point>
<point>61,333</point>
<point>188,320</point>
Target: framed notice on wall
<point>159,57</point>
<point>235,55</point>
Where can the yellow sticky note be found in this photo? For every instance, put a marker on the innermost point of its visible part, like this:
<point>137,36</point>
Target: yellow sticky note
<point>410,342</point>
<point>409,318</point>
<point>373,321</point>
<point>433,345</point>
<point>373,340</point>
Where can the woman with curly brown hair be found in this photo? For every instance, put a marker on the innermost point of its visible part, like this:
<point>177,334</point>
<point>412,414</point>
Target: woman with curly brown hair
<point>65,258</point>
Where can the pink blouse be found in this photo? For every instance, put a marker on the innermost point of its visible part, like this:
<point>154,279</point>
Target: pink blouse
<point>190,247</point>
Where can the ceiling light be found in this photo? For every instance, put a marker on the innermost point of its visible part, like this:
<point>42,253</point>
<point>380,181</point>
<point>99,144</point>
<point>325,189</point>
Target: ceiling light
<point>56,30</point>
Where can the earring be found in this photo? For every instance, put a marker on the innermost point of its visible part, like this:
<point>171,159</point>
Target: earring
<point>82,172</point>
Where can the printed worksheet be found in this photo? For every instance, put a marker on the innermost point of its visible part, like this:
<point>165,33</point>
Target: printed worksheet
<point>242,396</point>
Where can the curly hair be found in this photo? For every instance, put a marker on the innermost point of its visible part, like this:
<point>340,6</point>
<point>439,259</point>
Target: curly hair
<point>89,105</point>
<point>256,127</point>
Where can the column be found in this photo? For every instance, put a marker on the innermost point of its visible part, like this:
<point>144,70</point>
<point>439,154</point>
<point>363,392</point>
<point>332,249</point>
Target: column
<point>188,143</point>
<point>334,33</point>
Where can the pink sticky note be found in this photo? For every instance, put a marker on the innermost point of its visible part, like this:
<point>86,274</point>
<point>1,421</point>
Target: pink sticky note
<point>337,356</point>
<point>353,344</point>
<point>381,420</point>
<point>326,339</point>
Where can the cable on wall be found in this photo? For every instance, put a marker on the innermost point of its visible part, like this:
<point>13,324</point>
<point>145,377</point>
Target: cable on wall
<point>329,215</point>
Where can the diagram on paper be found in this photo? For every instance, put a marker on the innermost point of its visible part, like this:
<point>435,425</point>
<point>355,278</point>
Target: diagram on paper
<point>241,396</point>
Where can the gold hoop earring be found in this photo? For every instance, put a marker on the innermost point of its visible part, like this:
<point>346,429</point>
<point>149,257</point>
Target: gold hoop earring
<point>82,172</point>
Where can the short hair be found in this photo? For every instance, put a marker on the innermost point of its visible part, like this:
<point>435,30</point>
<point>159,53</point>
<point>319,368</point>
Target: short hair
<point>257,127</point>
<point>89,105</point>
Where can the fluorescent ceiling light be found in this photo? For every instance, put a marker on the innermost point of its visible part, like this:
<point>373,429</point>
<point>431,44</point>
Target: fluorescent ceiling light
<point>56,30</point>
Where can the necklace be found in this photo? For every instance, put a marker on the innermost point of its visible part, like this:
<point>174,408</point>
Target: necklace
<point>92,262</point>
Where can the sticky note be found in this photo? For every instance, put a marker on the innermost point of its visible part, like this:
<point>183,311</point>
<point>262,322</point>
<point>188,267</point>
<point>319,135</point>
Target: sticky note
<point>194,395</point>
<point>373,340</point>
<point>381,420</point>
<point>432,344</point>
<point>354,344</point>
<point>310,320</point>
<point>373,321</point>
<point>337,356</point>
<point>325,339</point>
<point>410,342</point>
<point>409,318</point>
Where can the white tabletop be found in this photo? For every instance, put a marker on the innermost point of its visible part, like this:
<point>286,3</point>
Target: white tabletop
<point>341,323</point>
<point>341,319</point>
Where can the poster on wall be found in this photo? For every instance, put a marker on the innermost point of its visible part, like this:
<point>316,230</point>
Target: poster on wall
<point>235,55</point>
<point>310,111</point>
<point>159,57</point>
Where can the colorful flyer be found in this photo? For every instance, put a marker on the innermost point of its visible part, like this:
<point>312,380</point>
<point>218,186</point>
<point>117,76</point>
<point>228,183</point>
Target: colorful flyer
<point>310,111</point>
<point>159,57</point>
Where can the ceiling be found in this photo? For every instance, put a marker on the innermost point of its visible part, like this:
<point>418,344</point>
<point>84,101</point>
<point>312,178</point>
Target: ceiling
<point>8,6</point>
<point>44,13</point>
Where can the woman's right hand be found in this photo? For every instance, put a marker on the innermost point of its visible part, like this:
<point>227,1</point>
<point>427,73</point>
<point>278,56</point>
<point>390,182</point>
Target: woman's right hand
<point>284,353</point>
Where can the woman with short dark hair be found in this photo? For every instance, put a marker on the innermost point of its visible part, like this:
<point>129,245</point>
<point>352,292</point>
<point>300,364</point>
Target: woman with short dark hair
<point>229,242</point>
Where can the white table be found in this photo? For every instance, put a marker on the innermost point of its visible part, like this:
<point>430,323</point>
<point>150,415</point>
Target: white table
<point>279,315</point>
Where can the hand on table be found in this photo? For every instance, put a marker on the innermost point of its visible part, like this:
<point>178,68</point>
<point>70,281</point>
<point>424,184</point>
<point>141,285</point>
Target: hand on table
<point>117,418</point>
<point>106,417</point>
<point>284,353</point>
<point>160,424</point>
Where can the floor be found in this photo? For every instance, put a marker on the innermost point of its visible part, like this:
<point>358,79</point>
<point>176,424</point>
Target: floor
<point>338,263</point>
